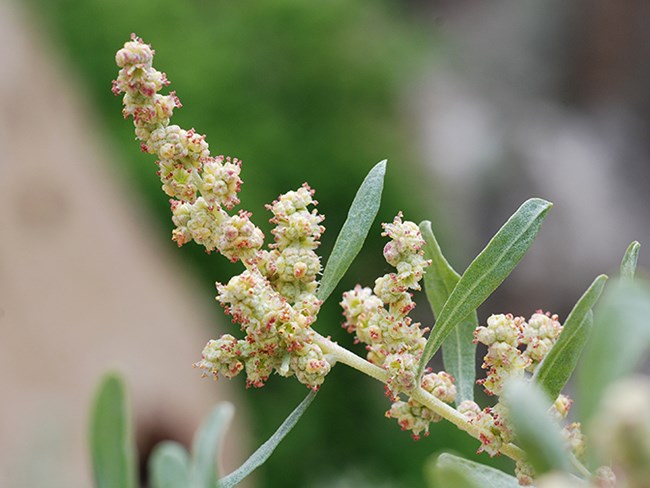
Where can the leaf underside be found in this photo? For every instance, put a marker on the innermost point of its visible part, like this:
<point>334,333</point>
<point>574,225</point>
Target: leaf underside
<point>458,349</point>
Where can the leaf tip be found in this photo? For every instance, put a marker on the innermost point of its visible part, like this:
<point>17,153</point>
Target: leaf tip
<point>425,225</point>
<point>630,258</point>
<point>545,205</point>
<point>111,383</point>
<point>599,282</point>
<point>111,377</point>
<point>226,409</point>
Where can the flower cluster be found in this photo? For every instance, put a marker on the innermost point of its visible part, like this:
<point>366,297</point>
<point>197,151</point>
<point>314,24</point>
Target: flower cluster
<point>379,319</point>
<point>504,335</point>
<point>292,264</point>
<point>539,334</point>
<point>571,432</point>
<point>275,302</point>
<point>200,186</point>
<point>493,423</point>
<point>516,346</point>
<point>274,298</point>
<point>278,338</point>
<point>503,360</point>
<point>412,415</point>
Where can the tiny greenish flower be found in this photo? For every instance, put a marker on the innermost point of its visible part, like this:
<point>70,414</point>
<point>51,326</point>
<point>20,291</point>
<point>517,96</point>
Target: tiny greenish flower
<point>503,360</point>
<point>525,473</point>
<point>561,406</point>
<point>539,335</point>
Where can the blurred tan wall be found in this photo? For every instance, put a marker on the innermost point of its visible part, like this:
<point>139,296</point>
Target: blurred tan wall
<point>84,287</point>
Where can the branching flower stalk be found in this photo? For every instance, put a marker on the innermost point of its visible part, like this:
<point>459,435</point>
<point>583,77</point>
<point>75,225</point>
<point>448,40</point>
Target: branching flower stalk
<point>274,299</point>
<point>424,397</point>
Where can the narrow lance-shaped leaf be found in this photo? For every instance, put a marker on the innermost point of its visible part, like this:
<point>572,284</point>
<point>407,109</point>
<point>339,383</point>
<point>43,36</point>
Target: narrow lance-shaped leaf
<point>111,439</point>
<point>265,450</point>
<point>350,240</point>
<point>620,339</point>
<point>206,444</point>
<point>169,466</point>
<point>487,271</point>
<point>558,365</point>
<point>535,431</point>
<point>628,264</point>
<point>456,472</point>
<point>458,349</point>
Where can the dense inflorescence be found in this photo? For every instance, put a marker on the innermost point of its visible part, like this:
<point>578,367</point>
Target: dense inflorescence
<point>412,415</point>
<point>503,360</point>
<point>514,347</point>
<point>274,299</point>
<point>201,187</point>
<point>379,318</point>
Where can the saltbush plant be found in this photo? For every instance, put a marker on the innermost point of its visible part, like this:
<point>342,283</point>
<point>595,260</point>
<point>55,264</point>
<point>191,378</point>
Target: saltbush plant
<point>270,83</point>
<point>277,297</point>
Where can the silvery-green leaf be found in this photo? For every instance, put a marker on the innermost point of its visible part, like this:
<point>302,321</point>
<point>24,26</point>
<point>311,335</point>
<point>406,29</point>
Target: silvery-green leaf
<point>453,476</point>
<point>628,264</point>
<point>112,444</point>
<point>487,271</point>
<point>206,444</point>
<point>265,450</point>
<point>558,365</point>
<point>169,466</point>
<point>620,340</point>
<point>535,431</point>
<point>455,472</point>
<point>458,349</point>
<point>353,234</point>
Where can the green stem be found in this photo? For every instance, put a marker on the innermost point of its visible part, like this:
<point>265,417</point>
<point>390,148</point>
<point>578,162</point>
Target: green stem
<point>420,395</point>
<point>344,356</point>
<point>580,468</point>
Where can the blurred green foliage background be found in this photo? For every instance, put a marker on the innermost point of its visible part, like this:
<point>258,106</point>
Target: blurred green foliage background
<point>301,91</point>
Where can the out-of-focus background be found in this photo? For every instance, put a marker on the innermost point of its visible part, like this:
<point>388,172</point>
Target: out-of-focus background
<point>477,106</point>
